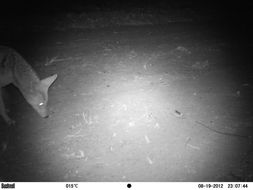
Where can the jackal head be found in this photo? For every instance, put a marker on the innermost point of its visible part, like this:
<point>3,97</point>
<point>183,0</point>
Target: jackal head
<point>38,98</point>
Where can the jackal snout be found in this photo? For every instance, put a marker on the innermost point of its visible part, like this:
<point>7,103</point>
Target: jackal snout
<point>43,112</point>
<point>40,108</point>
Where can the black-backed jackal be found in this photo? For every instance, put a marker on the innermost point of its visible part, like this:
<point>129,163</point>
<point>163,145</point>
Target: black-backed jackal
<point>14,69</point>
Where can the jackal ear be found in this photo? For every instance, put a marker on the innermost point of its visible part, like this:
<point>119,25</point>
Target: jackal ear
<point>47,82</point>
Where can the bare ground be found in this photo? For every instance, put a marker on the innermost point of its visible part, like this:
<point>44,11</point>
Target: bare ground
<point>156,103</point>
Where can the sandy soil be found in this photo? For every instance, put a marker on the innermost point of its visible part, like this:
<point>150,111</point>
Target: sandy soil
<point>156,103</point>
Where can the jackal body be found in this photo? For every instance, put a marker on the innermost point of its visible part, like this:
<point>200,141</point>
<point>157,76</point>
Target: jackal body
<point>14,69</point>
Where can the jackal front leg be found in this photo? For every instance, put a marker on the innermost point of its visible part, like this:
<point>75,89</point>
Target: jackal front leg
<point>3,113</point>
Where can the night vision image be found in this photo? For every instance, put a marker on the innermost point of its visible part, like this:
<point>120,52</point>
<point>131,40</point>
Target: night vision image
<point>118,91</point>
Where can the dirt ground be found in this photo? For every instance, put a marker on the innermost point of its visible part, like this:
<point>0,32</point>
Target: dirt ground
<point>142,103</point>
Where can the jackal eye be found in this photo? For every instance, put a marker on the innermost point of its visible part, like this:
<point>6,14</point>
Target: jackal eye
<point>41,104</point>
